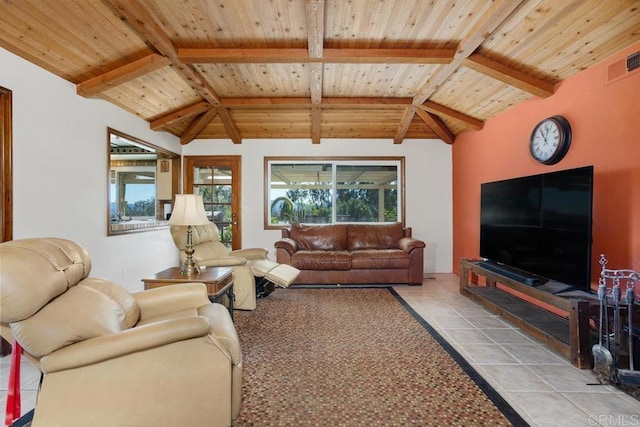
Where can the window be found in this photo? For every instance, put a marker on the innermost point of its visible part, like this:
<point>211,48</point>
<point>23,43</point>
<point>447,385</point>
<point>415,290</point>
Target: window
<point>142,182</point>
<point>333,190</point>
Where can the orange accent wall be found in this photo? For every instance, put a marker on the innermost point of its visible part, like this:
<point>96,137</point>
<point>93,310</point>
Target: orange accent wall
<point>605,121</point>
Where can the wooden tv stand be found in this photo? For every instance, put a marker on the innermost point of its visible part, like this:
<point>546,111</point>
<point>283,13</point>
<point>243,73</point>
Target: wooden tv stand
<point>569,335</point>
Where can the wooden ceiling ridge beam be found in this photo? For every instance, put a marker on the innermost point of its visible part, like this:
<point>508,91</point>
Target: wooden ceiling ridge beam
<point>315,40</point>
<point>495,15</point>
<point>509,75</point>
<point>197,125</point>
<point>331,102</point>
<point>302,56</point>
<point>142,20</point>
<point>121,75</point>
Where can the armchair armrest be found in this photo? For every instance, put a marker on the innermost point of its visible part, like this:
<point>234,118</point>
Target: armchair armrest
<point>287,244</point>
<point>225,261</point>
<point>110,346</point>
<point>408,244</point>
<point>169,299</point>
<point>250,253</point>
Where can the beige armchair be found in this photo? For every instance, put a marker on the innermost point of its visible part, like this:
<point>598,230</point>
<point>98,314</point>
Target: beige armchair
<point>210,252</point>
<point>162,357</point>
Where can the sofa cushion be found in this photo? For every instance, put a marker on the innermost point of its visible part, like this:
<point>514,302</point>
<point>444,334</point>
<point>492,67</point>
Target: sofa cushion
<point>320,237</point>
<point>373,236</point>
<point>321,260</point>
<point>379,258</point>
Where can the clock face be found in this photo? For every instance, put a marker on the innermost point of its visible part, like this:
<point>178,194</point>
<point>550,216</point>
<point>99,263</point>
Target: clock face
<point>550,140</point>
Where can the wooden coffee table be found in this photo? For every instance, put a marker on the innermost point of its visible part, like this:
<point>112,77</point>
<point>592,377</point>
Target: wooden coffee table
<point>219,282</point>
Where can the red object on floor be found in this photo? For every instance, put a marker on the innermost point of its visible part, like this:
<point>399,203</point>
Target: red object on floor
<point>12,412</point>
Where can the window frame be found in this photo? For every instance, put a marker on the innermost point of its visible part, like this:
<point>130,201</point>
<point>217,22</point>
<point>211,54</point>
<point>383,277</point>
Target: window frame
<point>337,160</point>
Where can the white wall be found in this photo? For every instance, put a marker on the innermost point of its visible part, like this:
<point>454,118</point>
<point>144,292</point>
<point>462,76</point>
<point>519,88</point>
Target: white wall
<point>60,172</point>
<point>60,188</point>
<point>428,185</point>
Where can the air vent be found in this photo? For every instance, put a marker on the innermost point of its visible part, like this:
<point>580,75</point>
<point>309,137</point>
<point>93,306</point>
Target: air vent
<point>623,68</point>
<point>633,62</point>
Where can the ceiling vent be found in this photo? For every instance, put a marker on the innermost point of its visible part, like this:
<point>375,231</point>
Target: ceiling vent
<point>623,68</point>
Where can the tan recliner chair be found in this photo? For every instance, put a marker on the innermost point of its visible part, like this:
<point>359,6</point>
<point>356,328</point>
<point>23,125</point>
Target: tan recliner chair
<point>162,357</point>
<point>248,264</point>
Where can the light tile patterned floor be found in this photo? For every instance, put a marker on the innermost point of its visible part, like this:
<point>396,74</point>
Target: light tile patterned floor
<point>543,387</point>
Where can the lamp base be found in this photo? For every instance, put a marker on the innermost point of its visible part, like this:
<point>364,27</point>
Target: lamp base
<point>189,268</point>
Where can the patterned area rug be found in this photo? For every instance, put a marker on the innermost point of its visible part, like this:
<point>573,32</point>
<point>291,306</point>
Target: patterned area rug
<point>356,357</point>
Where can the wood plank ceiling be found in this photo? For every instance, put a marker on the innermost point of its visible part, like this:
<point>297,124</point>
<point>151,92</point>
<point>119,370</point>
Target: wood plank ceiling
<point>316,68</point>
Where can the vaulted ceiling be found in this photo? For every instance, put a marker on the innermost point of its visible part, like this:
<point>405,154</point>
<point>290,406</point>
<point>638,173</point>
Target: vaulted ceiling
<point>316,68</point>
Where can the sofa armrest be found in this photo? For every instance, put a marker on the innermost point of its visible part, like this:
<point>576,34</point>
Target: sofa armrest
<point>118,344</point>
<point>408,244</point>
<point>287,244</point>
<point>169,299</point>
<point>250,253</point>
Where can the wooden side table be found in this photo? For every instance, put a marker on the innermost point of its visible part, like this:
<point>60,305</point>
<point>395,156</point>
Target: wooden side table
<point>219,282</point>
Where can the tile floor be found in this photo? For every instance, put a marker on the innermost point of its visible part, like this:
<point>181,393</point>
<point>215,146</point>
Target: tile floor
<point>543,387</point>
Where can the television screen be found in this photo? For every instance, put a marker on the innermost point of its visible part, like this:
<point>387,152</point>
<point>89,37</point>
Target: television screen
<point>540,224</point>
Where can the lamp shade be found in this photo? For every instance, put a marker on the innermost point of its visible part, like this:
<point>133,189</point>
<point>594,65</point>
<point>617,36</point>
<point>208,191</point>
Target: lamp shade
<point>188,210</point>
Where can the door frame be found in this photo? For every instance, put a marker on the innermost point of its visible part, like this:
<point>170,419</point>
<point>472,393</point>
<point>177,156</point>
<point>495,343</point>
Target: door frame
<point>6,178</point>
<point>235,163</point>
<point>6,161</point>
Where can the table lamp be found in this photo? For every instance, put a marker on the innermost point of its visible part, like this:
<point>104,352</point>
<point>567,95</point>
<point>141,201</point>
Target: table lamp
<point>189,211</point>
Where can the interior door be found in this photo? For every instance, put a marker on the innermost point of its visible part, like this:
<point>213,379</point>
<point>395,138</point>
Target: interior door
<point>217,180</point>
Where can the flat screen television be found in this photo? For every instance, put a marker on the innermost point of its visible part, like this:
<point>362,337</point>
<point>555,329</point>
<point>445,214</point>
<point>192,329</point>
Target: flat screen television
<point>540,224</point>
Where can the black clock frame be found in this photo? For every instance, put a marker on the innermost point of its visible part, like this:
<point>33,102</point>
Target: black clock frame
<point>563,144</point>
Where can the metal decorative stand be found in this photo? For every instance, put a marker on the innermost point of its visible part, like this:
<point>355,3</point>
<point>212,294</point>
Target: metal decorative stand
<point>607,358</point>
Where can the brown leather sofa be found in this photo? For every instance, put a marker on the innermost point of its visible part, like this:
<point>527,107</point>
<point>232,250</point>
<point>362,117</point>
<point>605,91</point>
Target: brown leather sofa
<point>162,357</point>
<point>352,253</point>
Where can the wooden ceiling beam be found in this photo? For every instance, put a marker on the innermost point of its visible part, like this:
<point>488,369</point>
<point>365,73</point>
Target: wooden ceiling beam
<point>486,25</point>
<point>303,56</point>
<point>510,76</point>
<point>155,34</point>
<point>442,111</point>
<point>315,27</point>
<point>124,74</point>
<point>437,125</point>
<point>197,125</point>
<point>405,122</point>
<point>316,124</point>
<point>284,103</point>
<point>315,80</point>
<point>191,110</point>
<point>136,14</point>
<point>230,126</point>
<point>315,45</point>
<point>374,102</point>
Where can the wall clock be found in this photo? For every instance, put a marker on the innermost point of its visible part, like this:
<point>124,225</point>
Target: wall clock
<point>550,140</point>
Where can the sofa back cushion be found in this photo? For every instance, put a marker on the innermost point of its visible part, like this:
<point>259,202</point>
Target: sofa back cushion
<point>331,237</point>
<point>373,236</point>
